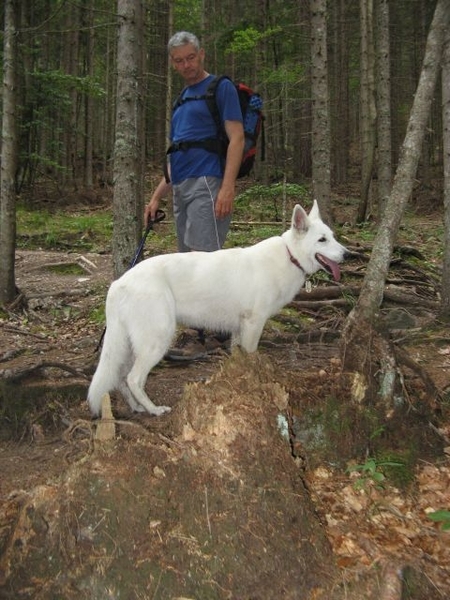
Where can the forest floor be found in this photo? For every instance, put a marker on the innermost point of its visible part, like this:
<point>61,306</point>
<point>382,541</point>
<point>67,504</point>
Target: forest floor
<point>380,532</point>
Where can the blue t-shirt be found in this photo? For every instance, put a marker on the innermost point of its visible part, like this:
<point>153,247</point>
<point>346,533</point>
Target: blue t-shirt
<point>192,121</point>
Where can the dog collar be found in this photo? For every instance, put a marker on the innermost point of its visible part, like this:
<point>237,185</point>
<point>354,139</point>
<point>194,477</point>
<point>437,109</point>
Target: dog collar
<point>294,260</point>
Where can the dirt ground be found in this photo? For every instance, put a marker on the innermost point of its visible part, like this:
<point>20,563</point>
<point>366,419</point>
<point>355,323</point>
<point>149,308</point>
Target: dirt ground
<point>368,539</point>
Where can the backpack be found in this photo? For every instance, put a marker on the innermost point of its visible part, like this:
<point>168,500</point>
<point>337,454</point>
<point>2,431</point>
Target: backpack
<point>251,104</point>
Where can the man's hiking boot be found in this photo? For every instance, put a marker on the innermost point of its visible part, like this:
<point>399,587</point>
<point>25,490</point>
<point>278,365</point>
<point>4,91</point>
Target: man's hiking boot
<point>195,344</point>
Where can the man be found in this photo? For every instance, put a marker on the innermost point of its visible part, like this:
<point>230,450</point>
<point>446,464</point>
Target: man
<point>202,183</point>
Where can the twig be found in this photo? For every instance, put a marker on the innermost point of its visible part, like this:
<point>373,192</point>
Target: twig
<point>207,511</point>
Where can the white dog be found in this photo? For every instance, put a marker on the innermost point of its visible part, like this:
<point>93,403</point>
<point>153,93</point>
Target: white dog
<point>234,290</point>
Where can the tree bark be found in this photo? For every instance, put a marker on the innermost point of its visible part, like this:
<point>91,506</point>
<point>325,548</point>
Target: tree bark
<point>383,86</point>
<point>445,291</point>
<point>339,72</point>
<point>359,336</point>
<point>367,106</point>
<point>128,187</point>
<point>9,158</point>
<point>321,154</point>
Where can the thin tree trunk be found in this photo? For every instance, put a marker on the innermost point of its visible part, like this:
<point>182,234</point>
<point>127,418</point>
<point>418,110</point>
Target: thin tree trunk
<point>368,110</point>
<point>128,201</point>
<point>321,159</point>
<point>445,291</point>
<point>359,326</point>
<point>9,146</point>
<point>89,103</point>
<point>340,123</point>
<point>383,105</point>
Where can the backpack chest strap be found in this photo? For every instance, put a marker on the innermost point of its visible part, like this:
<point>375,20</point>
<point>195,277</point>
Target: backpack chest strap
<point>211,145</point>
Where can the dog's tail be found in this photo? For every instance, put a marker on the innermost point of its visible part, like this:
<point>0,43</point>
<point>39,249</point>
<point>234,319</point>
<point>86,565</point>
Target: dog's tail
<point>112,365</point>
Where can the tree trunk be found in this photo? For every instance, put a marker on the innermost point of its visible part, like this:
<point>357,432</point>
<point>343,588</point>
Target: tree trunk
<point>88,100</point>
<point>128,188</point>
<point>367,106</point>
<point>360,349</point>
<point>321,159</point>
<point>9,158</point>
<point>445,291</point>
<point>340,137</point>
<point>383,105</point>
<point>69,114</point>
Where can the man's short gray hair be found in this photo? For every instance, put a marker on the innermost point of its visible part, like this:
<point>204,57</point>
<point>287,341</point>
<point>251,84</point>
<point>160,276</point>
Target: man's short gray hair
<point>181,38</point>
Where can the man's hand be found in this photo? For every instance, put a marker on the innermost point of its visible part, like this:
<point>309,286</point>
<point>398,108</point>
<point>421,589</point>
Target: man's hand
<point>224,202</point>
<point>162,190</point>
<point>227,192</point>
<point>150,210</point>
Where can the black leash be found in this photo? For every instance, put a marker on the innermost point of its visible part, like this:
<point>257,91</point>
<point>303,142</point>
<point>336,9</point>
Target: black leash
<point>159,216</point>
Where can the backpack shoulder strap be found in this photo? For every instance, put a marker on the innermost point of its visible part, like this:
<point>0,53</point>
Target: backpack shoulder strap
<point>209,96</point>
<point>211,100</point>
<point>180,100</point>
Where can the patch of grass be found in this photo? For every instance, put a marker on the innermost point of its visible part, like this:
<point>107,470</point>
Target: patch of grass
<point>162,240</point>
<point>97,314</point>
<point>374,471</point>
<point>66,269</point>
<point>246,235</point>
<point>265,202</point>
<point>442,517</point>
<point>50,230</point>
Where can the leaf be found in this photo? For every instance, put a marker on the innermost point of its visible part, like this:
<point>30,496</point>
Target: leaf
<point>442,516</point>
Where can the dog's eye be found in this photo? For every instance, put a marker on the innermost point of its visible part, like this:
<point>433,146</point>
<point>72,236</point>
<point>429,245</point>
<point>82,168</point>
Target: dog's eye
<point>323,239</point>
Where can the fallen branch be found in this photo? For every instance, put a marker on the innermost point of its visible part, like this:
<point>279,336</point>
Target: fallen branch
<point>328,295</point>
<point>57,294</point>
<point>18,376</point>
<point>318,304</point>
<point>11,329</point>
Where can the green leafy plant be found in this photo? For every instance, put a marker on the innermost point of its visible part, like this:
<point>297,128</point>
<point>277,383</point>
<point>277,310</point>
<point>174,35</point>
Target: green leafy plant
<point>441,516</point>
<point>77,230</point>
<point>372,471</point>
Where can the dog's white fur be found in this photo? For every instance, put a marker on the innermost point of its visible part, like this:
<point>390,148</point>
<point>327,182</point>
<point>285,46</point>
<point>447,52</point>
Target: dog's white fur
<point>234,290</point>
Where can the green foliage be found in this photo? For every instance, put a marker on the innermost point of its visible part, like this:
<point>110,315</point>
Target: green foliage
<point>80,231</point>
<point>187,16</point>
<point>441,516</point>
<point>67,269</point>
<point>372,471</point>
<point>246,40</point>
<point>272,192</point>
<point>265,202</point>
<point>97,314</point>
<point>245,236</point>
<point>287,75</point>
<point>56,83</point>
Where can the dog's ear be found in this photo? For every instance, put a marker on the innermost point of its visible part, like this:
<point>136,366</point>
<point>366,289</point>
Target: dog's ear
<point>299,219</point>
<point>314,213</point>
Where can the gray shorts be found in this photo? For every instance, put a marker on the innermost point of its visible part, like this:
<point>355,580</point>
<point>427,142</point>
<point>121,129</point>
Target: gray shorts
<point>193,209</point>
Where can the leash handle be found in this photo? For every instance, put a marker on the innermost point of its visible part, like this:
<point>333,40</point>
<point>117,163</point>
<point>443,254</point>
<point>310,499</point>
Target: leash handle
<point>159,216</point>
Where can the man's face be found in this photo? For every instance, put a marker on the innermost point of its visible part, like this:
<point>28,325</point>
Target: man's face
<point>188,62</point>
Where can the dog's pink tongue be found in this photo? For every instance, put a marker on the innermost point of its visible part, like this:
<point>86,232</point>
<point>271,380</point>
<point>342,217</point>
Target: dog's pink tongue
<point>335,270</point>
<point>330,265</point>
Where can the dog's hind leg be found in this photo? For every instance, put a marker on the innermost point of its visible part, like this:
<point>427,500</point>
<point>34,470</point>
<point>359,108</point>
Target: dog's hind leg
<point>148,353</point>
<point>109,371</point>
